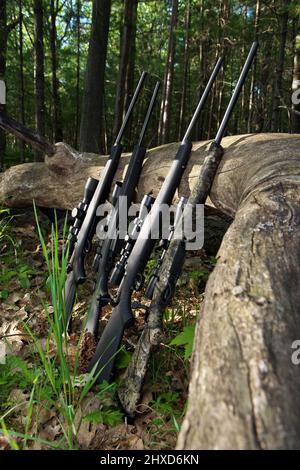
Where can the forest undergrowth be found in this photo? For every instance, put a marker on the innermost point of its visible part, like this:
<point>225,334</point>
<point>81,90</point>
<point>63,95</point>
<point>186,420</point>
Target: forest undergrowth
<point>47,400</point>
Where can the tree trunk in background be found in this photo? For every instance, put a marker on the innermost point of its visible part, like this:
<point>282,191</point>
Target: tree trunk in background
<point>253,72</point>
<point>91,129</point>
<point>126,66</point>
<point>78,14</point>
<point>165,111</point>
<point>264,83</point>
<point>204,65</point>
<point>57,114</point>
<point>3,47</point>
<point>276,114</point>
<point>39,72</point>
<point>296,87</point>
<point>224,9</point>
<point>211,112</point>
<point>22,88</point>
<point>182,118</point>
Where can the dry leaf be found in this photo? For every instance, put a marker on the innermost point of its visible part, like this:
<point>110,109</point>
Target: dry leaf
<point>50,431</point>
<point>15,297</point>
<point>144,404</point>
<point>86,434</point>
<point>13,335</point>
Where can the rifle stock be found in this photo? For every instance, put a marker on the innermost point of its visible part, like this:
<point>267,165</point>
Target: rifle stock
<point>110,340</point>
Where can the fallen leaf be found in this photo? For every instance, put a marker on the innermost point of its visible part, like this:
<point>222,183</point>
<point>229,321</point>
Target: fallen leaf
<point>86,434</point>
<point>15,297</point>
<point>50,431</point>
<point>144,403</point>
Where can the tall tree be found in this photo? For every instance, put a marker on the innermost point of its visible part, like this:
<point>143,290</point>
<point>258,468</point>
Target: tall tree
<point>91,129</point>
<point>278,90</point>
<point>78,32</point>
<point>127,62</point>
<point>57,114</point>
<point>296,88</point>
<point>39,71</point>
<point>264,80</point>
<point>254,68</point>
<point>22,86</point>
<point>5,29</point>
<point>187,24</point>
<point>165,110</point>
<point>224,14</point>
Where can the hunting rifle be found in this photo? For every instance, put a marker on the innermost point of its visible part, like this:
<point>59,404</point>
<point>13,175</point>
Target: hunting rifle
<point>84,227</point>
<point>103,360</point>
<point>162,283</point>
<point>113,241</point>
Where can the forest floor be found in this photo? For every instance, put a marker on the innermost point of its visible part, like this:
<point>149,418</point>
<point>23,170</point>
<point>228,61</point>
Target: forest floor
<point>38,409</point>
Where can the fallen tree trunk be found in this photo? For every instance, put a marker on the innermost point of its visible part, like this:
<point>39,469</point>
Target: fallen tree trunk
<point>244,389</point>
<point>59,181</point>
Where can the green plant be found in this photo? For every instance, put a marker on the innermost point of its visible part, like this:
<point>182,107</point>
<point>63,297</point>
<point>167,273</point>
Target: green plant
<point>148,270</point>
<point>15,373</point>
<point>108,412</point>
<point>166,413</point>
<point>21,271</point>
<point>200,274</point>
<point>123,358</point>
<point>5,219</point>
<point>54,383</point>
<point>185,339</point>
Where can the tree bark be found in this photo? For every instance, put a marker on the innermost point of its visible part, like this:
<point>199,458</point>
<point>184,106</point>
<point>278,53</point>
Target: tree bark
<point>296,88</point>
<point>165,110</point>
<point>39,72</point>
<point>91,129</point>
<point>126,67</point>
<point>244,386</point>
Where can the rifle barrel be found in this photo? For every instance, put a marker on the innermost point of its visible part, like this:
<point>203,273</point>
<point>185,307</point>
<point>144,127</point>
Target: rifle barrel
<point>148,115</point>
<point>236,93</point>
<point>131,106</point>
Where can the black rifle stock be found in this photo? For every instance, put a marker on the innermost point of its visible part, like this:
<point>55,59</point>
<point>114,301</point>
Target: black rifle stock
<point>171,266</point>
<point>113,243</point>
<point>76,271</point>
<point>122,316</point>
<point>79,213</point>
